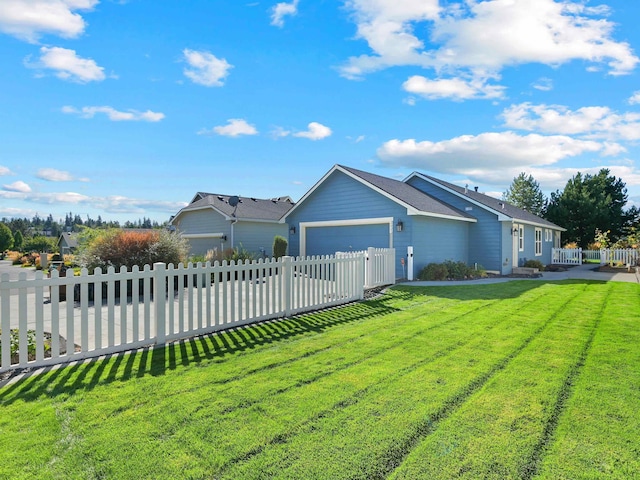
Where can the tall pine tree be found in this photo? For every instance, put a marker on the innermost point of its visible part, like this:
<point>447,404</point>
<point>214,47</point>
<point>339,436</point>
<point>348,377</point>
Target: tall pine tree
<point>524,192</point>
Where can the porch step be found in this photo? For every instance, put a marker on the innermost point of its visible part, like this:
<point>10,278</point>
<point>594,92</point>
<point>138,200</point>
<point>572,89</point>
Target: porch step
<point>525,271</point>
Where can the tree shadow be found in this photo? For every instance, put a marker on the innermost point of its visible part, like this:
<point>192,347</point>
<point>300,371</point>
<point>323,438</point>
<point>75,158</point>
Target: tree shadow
<point>489,291</point>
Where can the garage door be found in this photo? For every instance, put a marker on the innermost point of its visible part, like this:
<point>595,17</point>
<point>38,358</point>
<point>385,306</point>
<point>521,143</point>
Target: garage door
<point>329,240</point>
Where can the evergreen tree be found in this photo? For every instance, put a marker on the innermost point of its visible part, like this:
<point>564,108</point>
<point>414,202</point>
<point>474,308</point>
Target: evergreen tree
<point>588,203</point>
<point>18,240</point>
<point>524,192</point>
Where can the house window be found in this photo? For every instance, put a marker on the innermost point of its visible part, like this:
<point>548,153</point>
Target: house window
<point>556,240</point>
<point>538,242</point>
<point>547,235</point>
<point>521,238</point>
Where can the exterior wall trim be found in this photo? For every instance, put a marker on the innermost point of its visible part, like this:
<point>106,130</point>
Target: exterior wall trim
<point>437,215</point>
<point>343,223</point>
<point>202,235</point>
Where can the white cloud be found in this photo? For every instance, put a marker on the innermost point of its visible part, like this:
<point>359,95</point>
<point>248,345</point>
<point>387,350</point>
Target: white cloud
<point>635,98</point>
<point>115,115</point>
<point>53,175</point>
<point>594,122</point>
<point>5,171</point>
<point>454,88</point>
<point>205,68</point>
<point>282,9</point>
<point>30,19</point>
<point>315,131</point>
<point>479,39</point>
<point>234,128</point>
<point>279,132</point>
<point>111,204</point>
<point>18,186</point>
<point>476,155</point>
<point>543,84</point>
<point>67,65</point>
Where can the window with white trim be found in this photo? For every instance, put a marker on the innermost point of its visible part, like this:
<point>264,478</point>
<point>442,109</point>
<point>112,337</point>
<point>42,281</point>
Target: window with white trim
<point>547,235</point>
<point>521,238</point>
<point>556,240</point>
<point>538,243</point>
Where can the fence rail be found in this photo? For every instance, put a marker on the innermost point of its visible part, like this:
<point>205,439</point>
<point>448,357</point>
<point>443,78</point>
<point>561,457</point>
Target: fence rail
<point>75,317</point>
<point>575,256</point>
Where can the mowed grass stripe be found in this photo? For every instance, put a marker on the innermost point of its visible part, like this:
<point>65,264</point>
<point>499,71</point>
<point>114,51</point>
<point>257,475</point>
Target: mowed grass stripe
<point>140,409</point>
<point>238,434</point>
<point>496,433</point>
<point>598,435</point>
<point>361,439</point>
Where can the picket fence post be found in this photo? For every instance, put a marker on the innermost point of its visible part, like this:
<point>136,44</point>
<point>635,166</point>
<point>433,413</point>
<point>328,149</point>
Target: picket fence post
<point>159,294</point>
<point>286,285</point>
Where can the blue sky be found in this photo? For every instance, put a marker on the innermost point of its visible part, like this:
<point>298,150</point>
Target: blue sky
<point>126,109</point>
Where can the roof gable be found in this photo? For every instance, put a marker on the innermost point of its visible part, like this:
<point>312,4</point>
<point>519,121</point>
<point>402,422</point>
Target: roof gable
<point>247,208</point>
<point>492,204</point>
<point>415,201</point>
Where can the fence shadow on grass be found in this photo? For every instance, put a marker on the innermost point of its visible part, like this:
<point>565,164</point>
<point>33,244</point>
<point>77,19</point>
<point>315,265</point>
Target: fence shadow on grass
<point>156,361</point>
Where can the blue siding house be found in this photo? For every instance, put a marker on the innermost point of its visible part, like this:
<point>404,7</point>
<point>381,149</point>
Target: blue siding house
<point>350,210</point>
<point>218,222</point>
<point>504,236</point>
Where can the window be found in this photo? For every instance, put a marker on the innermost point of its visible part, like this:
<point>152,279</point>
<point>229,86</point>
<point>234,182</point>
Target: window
<point>556,240</point>
<point>547,235</point>
<point>521,238</point>
<point>538,242</point>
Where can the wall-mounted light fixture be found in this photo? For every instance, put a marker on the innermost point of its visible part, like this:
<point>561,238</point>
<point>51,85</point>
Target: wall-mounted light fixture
<point>292,230</point>
<point>399,226</point>
<point>223,238</point>
<point>515,230</point>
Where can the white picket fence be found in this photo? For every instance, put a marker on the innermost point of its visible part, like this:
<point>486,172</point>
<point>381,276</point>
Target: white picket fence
<point>566,256</point>
<point>575,256</point>
<point>75,317</point>
<point>379,267</point>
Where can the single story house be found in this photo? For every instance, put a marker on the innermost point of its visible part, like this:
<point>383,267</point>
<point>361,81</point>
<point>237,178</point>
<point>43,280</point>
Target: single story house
<point>350,210</point>
<point>218,222</point>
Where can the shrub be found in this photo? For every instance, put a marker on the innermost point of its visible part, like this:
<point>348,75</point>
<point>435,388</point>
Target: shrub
<point>14,345</point>
<point>119,248</point>
<point>534,264</point>
<point>434,271</point>
<point>450,270</point>
<point>279,247</point>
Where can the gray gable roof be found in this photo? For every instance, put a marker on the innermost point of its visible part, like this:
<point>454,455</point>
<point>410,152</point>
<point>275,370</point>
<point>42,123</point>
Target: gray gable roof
<point>71,239</point>
<point>500,206</point>
<point>409,195</point>
<point>248,208</point>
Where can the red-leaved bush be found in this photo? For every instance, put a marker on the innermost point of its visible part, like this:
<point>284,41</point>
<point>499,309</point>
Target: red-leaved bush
<point>121,247</point>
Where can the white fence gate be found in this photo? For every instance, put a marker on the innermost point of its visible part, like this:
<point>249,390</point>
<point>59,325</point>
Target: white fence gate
<point>566,256</point>
<point>575,256</point>
<point>75,317</point>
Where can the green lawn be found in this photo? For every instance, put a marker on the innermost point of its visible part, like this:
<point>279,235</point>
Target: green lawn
<point>516,380</point>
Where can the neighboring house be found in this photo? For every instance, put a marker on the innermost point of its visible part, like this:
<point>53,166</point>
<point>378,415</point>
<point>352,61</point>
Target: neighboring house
<point>67,243</point>
<point>218,222</point>
<point>350,210</point>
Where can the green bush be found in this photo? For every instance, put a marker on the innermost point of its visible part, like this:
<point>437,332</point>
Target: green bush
<point>279,247</point>
<point>534,264</point>
<point>450,270</point>
<point>434,271</point>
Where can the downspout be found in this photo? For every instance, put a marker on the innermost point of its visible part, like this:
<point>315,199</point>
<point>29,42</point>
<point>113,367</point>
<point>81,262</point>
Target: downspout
<point>232,232</point>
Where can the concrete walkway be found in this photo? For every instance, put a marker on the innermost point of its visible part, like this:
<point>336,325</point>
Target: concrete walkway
<point>579,272</point>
